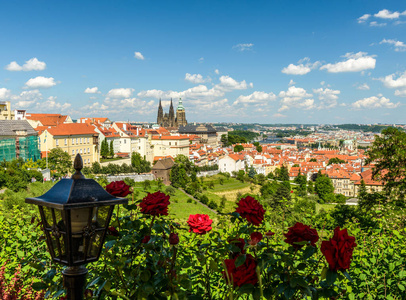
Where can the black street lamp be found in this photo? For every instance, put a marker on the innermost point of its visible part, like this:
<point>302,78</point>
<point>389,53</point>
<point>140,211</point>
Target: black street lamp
<point>75,216</point>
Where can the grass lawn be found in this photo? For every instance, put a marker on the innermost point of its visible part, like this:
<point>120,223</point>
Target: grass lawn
<point>102,160</point>
<point>326,207</point>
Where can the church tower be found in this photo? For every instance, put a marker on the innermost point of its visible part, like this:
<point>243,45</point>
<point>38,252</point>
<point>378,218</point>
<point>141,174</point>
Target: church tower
<point>171,116</point>
<point>160,114</point>
<point>180,114</point>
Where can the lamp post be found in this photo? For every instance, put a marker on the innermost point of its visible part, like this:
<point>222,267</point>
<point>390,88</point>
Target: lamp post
<point>75,216</point>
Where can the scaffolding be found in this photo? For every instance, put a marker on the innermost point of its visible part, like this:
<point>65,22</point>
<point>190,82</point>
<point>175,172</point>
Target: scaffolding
<point>7,149</point>
<point>19,147</point>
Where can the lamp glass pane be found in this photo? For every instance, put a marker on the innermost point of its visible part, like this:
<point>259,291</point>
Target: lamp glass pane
<point>48,222</point>
<point>102,215</point>
<point>57,231</point>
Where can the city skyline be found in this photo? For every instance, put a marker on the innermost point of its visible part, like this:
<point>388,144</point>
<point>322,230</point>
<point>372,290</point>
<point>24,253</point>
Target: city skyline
<point>290,62</point>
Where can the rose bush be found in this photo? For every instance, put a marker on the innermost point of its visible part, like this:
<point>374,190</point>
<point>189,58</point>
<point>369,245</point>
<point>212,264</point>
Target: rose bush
<point>250,209</point>
<point>199,223</point>
<point>301,233</point>
<point>155,204</point>
<point>118,188</point>
<point>243,274</point>
<point>338,250</point>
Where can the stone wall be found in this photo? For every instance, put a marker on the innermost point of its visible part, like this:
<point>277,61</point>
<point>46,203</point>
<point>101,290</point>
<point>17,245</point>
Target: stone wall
<point>135,177</point>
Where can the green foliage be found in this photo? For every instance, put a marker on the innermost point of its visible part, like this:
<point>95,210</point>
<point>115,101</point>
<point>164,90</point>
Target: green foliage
<point>111,150</point>
<point>335,160</point>
<point>259,148</point>
<point>140,165</point>
<point>104,149</point>
<point>301,180</point>
<point>313,160</point>
<point>60,161</point>
<point>241,136</point>
<point>282,173</point>
<point>388,152</point>
<point>238,148</point>
<point>324,188</point>
<point>340,198</point>
<point>252,172</point>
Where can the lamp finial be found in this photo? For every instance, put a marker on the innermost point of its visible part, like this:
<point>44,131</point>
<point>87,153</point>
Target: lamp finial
<point>78,166</point>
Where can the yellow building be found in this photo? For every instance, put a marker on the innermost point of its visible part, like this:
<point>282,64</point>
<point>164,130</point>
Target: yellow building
<point>170,145</point>
<point>5,111</point>
<point>72,138</point>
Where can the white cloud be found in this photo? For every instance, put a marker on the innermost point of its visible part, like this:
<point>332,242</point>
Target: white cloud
<point>120,93</point>
<point>304,66</point>
<point>255,98</point>
<point>363,18</point>
<point>399,46</point>
<point>27,98</point>
<point>294,97</point>
<point>228,84</point>
<point>5,94</point>
<point>391,83</point>
<point>376,24</point>
<point>291,82</point>
<point>328,97</point>
<point>51,104</point>
<point>400,93</point>
<point>217,71</point>
<point>93,90</point>
<point>386,14</point>
<point>278,115</point>
<point>354,63</point>
<point>201,59</point>
<point>195,78</point>
<point>32,64</point>
<point>244,47</point>
<point>363,86</point>
<point>40,82</point>
<point>374,102</point>
<point>138,55</point>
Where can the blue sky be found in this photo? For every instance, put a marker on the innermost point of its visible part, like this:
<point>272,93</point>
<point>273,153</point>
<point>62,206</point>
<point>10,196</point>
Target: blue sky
<point>232,61</point>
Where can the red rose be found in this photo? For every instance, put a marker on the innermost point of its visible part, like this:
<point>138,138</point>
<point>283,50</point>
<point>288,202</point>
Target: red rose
<point>251,210</point>
<point>173,239</point>
<point>199,223</point>
<point>256,237</point>
<point>118,188</point>
<point>300,233</point>
<point>146,239</point>
<point>113,231</point>
<point>269,234</point>
<point>240,243</point>
<point>155,204</point>
<point>338,250</point>
<point>244,274</point>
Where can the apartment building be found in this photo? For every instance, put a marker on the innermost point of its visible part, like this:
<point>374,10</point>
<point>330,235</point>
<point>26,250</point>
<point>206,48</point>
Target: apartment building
<point>170,145</point>
<point>72,138</point>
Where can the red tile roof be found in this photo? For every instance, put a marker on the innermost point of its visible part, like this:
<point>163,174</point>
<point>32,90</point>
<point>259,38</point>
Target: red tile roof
<point>72,129</point>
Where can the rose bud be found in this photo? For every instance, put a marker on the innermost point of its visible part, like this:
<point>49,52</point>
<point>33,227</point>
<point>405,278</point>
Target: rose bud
<point>113,231</point>
<point>173,239</point>
<point>256,237</point>
<point>269,234</point>
<point>146,239</point>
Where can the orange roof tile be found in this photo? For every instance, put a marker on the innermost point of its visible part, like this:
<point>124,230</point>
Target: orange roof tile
<point>72,129</point>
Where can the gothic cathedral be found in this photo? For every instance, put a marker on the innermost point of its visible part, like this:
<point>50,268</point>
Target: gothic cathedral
<point>169,119</point>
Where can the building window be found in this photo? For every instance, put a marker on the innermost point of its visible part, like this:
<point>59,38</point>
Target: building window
<point>88,140</point>
<point>88,160</point>
<point>57,142</point>
<point>73,141</point>
<point>125,141</point>
<point>66,142</point>
<point>77,141</point>
<point>73,152</point>
<point>80,151</point>
<point>77,151</point>
<point>169,143</point>
<point>88,150</point>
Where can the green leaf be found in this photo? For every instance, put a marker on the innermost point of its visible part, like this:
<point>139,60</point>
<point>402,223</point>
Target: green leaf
<point>401,287</point>
<point>331,277</point>
<point>309,251</point>
<point>324,273</point>
<point>246,289</point>
<point>351,296</point>
<point>96,280</point>
<point>347,275</point>
<point>213,266</point>
<point>289,292</point>
<point>110,244</point>
<point>39,286</point>
<point>240,260</point>
<point>145,275</point>
<point>281,288</point>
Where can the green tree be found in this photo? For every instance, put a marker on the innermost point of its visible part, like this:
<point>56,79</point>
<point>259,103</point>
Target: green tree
<point>335,160</point>
<point>104,150</point>
<point>140,165</point>
<point>283,174</point>
<point>96,169</point>
<point>324,187</point>
<point>302,182</point>
<point>259,148</point>
<point>310,187</point>
<point>313,160</point>
<point>224,140</point>
<point>240,175</point>
<point>60,161</point>
<point>238,148</point>
<point>388,152</point>
<point>111,152</point>
<point>252,172</point>
<point>282,192</point>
